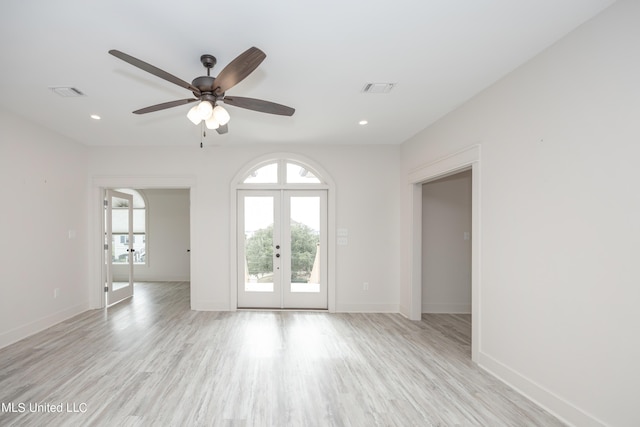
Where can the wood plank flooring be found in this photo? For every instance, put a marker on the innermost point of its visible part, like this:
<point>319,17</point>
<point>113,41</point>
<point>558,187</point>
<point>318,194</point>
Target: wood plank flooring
<point>151,361</point>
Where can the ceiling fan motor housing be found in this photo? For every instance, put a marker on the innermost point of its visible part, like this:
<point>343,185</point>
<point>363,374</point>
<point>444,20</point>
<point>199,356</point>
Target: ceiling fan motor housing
<point>204,84</point>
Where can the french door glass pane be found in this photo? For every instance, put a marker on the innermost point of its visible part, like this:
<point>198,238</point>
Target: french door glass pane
<point>304,226</point>
<point>120,244</point>
<point>258,244</point>
<point>120,230</point>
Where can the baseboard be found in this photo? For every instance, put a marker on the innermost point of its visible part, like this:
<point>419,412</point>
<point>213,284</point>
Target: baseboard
<point>31,328</point>
<point>559,407</point>
<point>162,279</point>
<point>214,305</point>
<point>367,308</point>
<point>209,305</point>
<point>446,308</point>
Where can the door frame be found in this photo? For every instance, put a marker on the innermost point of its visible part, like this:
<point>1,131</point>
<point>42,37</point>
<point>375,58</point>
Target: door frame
<point>329,185</point>
<point>97,297</point>
<point>465,159</point>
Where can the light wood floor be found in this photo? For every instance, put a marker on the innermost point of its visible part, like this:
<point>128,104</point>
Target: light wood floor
<point>152,361</point>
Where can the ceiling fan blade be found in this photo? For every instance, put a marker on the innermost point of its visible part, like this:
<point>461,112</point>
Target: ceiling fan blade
<point>154,70</point>
<point>164,106</point>
<point>238,69</point>
<point>259,105</point>
<point>222,129</point>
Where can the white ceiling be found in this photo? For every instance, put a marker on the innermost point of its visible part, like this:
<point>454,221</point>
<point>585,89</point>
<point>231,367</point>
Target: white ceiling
<point>320,54</point>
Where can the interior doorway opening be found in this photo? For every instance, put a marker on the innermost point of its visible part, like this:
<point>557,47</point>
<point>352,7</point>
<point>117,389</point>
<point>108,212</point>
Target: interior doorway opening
<point>446,244</point>
<point>467,159</point>
<point>162,253</point>
<point>446,255</point>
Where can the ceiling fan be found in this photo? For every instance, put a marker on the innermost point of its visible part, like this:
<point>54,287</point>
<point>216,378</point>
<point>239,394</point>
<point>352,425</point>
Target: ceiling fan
<point>212,90</point>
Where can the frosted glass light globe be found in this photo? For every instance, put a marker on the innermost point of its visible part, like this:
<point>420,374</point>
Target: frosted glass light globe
<point>205,109</point>
<point>193,115</point>
<point>221,115</point>
<point>212,123</point>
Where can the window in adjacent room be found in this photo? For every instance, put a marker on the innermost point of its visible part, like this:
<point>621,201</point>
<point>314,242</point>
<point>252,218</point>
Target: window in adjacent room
<point>121,240</point>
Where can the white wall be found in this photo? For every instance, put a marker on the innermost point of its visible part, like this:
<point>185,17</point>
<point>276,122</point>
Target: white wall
<point>559,209</point>
<point>367,204</point>
<point>44,223</point>
<point>167,237</point>
<point>446,254</point>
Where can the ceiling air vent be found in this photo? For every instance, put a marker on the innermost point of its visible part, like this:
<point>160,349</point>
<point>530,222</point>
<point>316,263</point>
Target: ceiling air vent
<point>378,87</point>
<point>67,92</point>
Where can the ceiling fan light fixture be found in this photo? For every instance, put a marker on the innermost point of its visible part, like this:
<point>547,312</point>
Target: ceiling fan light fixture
<point>212,123</point>
<point>204,110</point>
<point>194,116</point>
<point>221,115</point>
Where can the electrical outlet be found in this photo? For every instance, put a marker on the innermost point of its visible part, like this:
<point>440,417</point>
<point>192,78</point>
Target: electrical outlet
<point>365,286</point>
<point>56,292</point>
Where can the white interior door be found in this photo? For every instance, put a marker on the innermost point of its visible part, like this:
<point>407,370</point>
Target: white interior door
<point>118,243</point>
<point>282,249</point>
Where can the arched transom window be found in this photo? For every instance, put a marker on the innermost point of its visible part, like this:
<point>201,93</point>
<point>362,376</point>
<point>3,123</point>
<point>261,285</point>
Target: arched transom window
<point>283,172</point>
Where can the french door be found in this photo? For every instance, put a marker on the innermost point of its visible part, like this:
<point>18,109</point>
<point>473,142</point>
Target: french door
<point>282,249</point>
<point>118,245</point>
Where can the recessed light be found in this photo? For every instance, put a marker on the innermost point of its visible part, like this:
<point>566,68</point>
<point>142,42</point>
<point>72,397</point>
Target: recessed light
<point>95,117</point>
<point>362,122</point>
